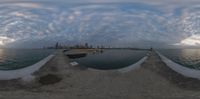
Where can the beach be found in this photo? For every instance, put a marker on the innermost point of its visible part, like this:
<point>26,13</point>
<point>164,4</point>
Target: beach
<point>152,80</point>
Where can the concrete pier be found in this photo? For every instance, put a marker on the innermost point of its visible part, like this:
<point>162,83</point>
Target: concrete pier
<point>153,80</point>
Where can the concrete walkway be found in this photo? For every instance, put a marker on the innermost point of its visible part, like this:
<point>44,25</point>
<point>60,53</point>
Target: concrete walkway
<point>154,80</point>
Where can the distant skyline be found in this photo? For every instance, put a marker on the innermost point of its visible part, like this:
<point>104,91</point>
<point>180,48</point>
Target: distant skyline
<point>118,23</point>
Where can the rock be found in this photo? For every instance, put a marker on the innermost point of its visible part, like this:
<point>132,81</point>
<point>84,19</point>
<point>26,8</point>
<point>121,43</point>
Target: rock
<point>49,79</point>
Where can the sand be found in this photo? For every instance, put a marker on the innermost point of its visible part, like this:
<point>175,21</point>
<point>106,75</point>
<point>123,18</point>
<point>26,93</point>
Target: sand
<point>153,80</point>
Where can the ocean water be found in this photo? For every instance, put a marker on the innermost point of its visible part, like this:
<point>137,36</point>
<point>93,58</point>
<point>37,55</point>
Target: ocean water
<point>186,57</point>
<point>12,59</point>
<point>111,59</point>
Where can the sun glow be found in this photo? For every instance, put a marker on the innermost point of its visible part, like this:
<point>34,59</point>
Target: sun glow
<point>5,40</point>
<point>193,40</point>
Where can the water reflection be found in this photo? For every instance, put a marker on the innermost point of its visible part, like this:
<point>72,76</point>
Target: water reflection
<point>2,59</point>
<point>111,59</point>
<point>11,59</point>
<point>186,57</point>
<point>191,57</point>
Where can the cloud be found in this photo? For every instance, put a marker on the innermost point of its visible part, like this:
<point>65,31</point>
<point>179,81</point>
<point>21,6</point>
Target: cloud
<point>193,40</point>
<point>122,24</point>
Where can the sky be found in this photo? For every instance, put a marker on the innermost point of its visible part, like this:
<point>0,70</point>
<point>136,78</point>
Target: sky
<point>118,23</point>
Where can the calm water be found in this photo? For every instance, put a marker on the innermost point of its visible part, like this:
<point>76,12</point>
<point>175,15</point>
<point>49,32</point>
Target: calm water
<point>187,57</point>
<point>111,59</point>
<point>11,59</point>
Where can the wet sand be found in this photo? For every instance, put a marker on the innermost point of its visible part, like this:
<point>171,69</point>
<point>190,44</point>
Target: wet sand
<point>153,80</point>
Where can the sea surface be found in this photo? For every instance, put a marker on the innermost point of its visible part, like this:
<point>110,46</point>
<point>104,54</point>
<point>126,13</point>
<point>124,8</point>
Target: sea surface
<point>111,59</point>
<point>12,59</point>
<point>186,57</point>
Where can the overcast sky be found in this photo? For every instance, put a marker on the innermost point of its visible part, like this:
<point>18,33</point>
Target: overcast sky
<point>134,23</point>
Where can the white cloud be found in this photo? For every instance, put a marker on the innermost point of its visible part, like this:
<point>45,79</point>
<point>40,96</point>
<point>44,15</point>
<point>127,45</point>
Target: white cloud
<point>193,40</point>
<point>4,40</point>
<point>102,22</point>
